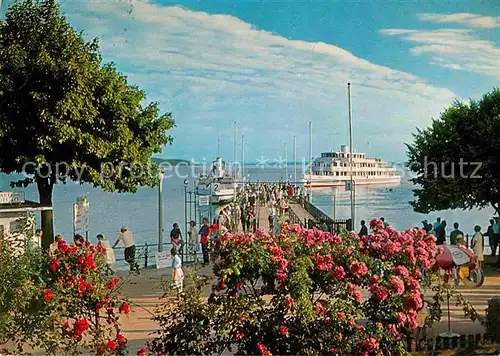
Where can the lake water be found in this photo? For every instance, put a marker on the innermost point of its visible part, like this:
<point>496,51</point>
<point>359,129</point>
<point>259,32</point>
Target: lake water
<point>139,211</point>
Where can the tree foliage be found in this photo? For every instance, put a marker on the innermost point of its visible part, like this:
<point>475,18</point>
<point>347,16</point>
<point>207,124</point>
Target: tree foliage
<point>456,158</point>
<point>65,115</point>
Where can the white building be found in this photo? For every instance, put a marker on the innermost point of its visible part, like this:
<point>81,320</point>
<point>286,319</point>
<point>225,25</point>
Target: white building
<point>16,219</point>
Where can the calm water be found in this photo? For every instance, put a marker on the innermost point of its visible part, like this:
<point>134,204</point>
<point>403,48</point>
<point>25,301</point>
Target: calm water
<point>139,211</point>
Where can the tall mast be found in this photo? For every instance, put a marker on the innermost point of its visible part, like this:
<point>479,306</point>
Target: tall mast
<point>310,159</point>
<point>218,143</point>
<point>294,160</point>
<point>353,221</point>
<point>286,163</point>
<point>235,157</point>
<point>242,155</point>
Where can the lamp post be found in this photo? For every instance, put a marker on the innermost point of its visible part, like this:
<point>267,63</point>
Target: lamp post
<point>353,221</point>
<point>310,161</point>
<point>160,210</point>
<point>186,183</point>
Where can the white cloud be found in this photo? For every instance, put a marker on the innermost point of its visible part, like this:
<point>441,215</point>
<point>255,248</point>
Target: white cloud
<point>213,69</point>
<point>459,49</point>
<point>469,20</point>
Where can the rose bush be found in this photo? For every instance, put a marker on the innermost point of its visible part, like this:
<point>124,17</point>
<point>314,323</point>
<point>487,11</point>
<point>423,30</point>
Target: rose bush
<point>65,302</point>
<point>305,292</point>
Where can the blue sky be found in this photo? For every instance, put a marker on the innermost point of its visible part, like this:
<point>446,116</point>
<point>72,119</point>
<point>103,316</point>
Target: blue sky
<point>273,66</point>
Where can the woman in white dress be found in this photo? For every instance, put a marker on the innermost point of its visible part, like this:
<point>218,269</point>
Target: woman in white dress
<point>477,244</point>
<point>109,256</point>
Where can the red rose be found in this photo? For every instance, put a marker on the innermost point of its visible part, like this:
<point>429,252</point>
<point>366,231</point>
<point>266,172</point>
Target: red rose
<point>142,352</point>
<point>283,330</point>
<point>112,283</point>
<point>121,339</point>
<point>239,285</point>
<point>80,327</point>
<point>222,285</point>
<point>54,264</point>
<point>66,324</point>
<point>47,295</point>
<point>101,350</point>
<point>239,336</point>
<point>111,345</point>
<point>261,348</point>
<point>124,308</point>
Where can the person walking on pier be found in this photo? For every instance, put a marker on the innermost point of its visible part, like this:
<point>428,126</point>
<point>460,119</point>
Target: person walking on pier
<point>127,238</point>
<point>109,253</point>
<point>477,244</point>
<point>271,212</point>
<point>204,241</point>
<point>455,234</point>
<point>243,218</point>
<point>193,238</point>
<point>176,236</point>
<point>364,229</point>
<point>495,241</point>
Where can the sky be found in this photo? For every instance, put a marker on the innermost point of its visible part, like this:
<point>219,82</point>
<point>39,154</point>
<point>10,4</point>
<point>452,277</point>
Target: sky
<point>273,66</point>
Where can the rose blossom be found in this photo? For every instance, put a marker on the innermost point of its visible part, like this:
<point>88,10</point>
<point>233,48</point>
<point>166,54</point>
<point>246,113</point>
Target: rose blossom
<point>124,308</point>
<point>340,315</point>
<point>401,318</point>
<point>371,343</point>
<point>392,328</point>
<point>401,270</point>
<point>320,309</point>
<point>358,268</point>
<point>239,336</point>
<point>375,279</point>
<point>283,330</point>
<point>80,326</point>
<point>397,284</point>
<point>111,345</point>
<point>413,301</point>
<point>47,295</point>
<point>339,273</point>
<point>112,283</point>
<point>379,292</point>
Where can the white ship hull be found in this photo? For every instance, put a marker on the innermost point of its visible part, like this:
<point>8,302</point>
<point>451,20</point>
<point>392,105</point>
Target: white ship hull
<point>318,181</point>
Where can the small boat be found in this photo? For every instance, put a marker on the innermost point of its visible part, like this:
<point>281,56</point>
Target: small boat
<point>218,183</point>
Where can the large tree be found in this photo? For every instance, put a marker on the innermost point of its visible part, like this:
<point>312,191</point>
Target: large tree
<point>457,158</point>
<point>64,114</point>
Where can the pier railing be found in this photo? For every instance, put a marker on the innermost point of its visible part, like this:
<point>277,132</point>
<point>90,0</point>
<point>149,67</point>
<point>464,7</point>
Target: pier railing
<point>145,254</point>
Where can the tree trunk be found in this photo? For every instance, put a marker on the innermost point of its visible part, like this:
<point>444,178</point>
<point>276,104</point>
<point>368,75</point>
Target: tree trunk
<point>45,188</point>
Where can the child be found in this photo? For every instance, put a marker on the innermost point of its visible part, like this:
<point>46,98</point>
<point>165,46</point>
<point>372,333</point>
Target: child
<point>178,274</point>
<point>109,253</point>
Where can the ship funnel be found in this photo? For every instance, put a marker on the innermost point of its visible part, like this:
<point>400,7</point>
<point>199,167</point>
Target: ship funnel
<point>344,149</point>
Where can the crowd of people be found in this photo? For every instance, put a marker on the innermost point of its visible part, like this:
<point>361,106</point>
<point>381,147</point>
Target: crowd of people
<point>457,236</point>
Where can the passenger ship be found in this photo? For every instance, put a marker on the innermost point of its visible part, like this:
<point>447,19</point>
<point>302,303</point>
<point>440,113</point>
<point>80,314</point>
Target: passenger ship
<point>332,169</point>
<point>218,183</point>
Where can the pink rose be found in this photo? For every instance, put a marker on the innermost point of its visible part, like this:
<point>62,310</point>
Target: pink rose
<point>339,273</point>
<point>379,292</point>
<point>397,285</point>
<point>401,318</point>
